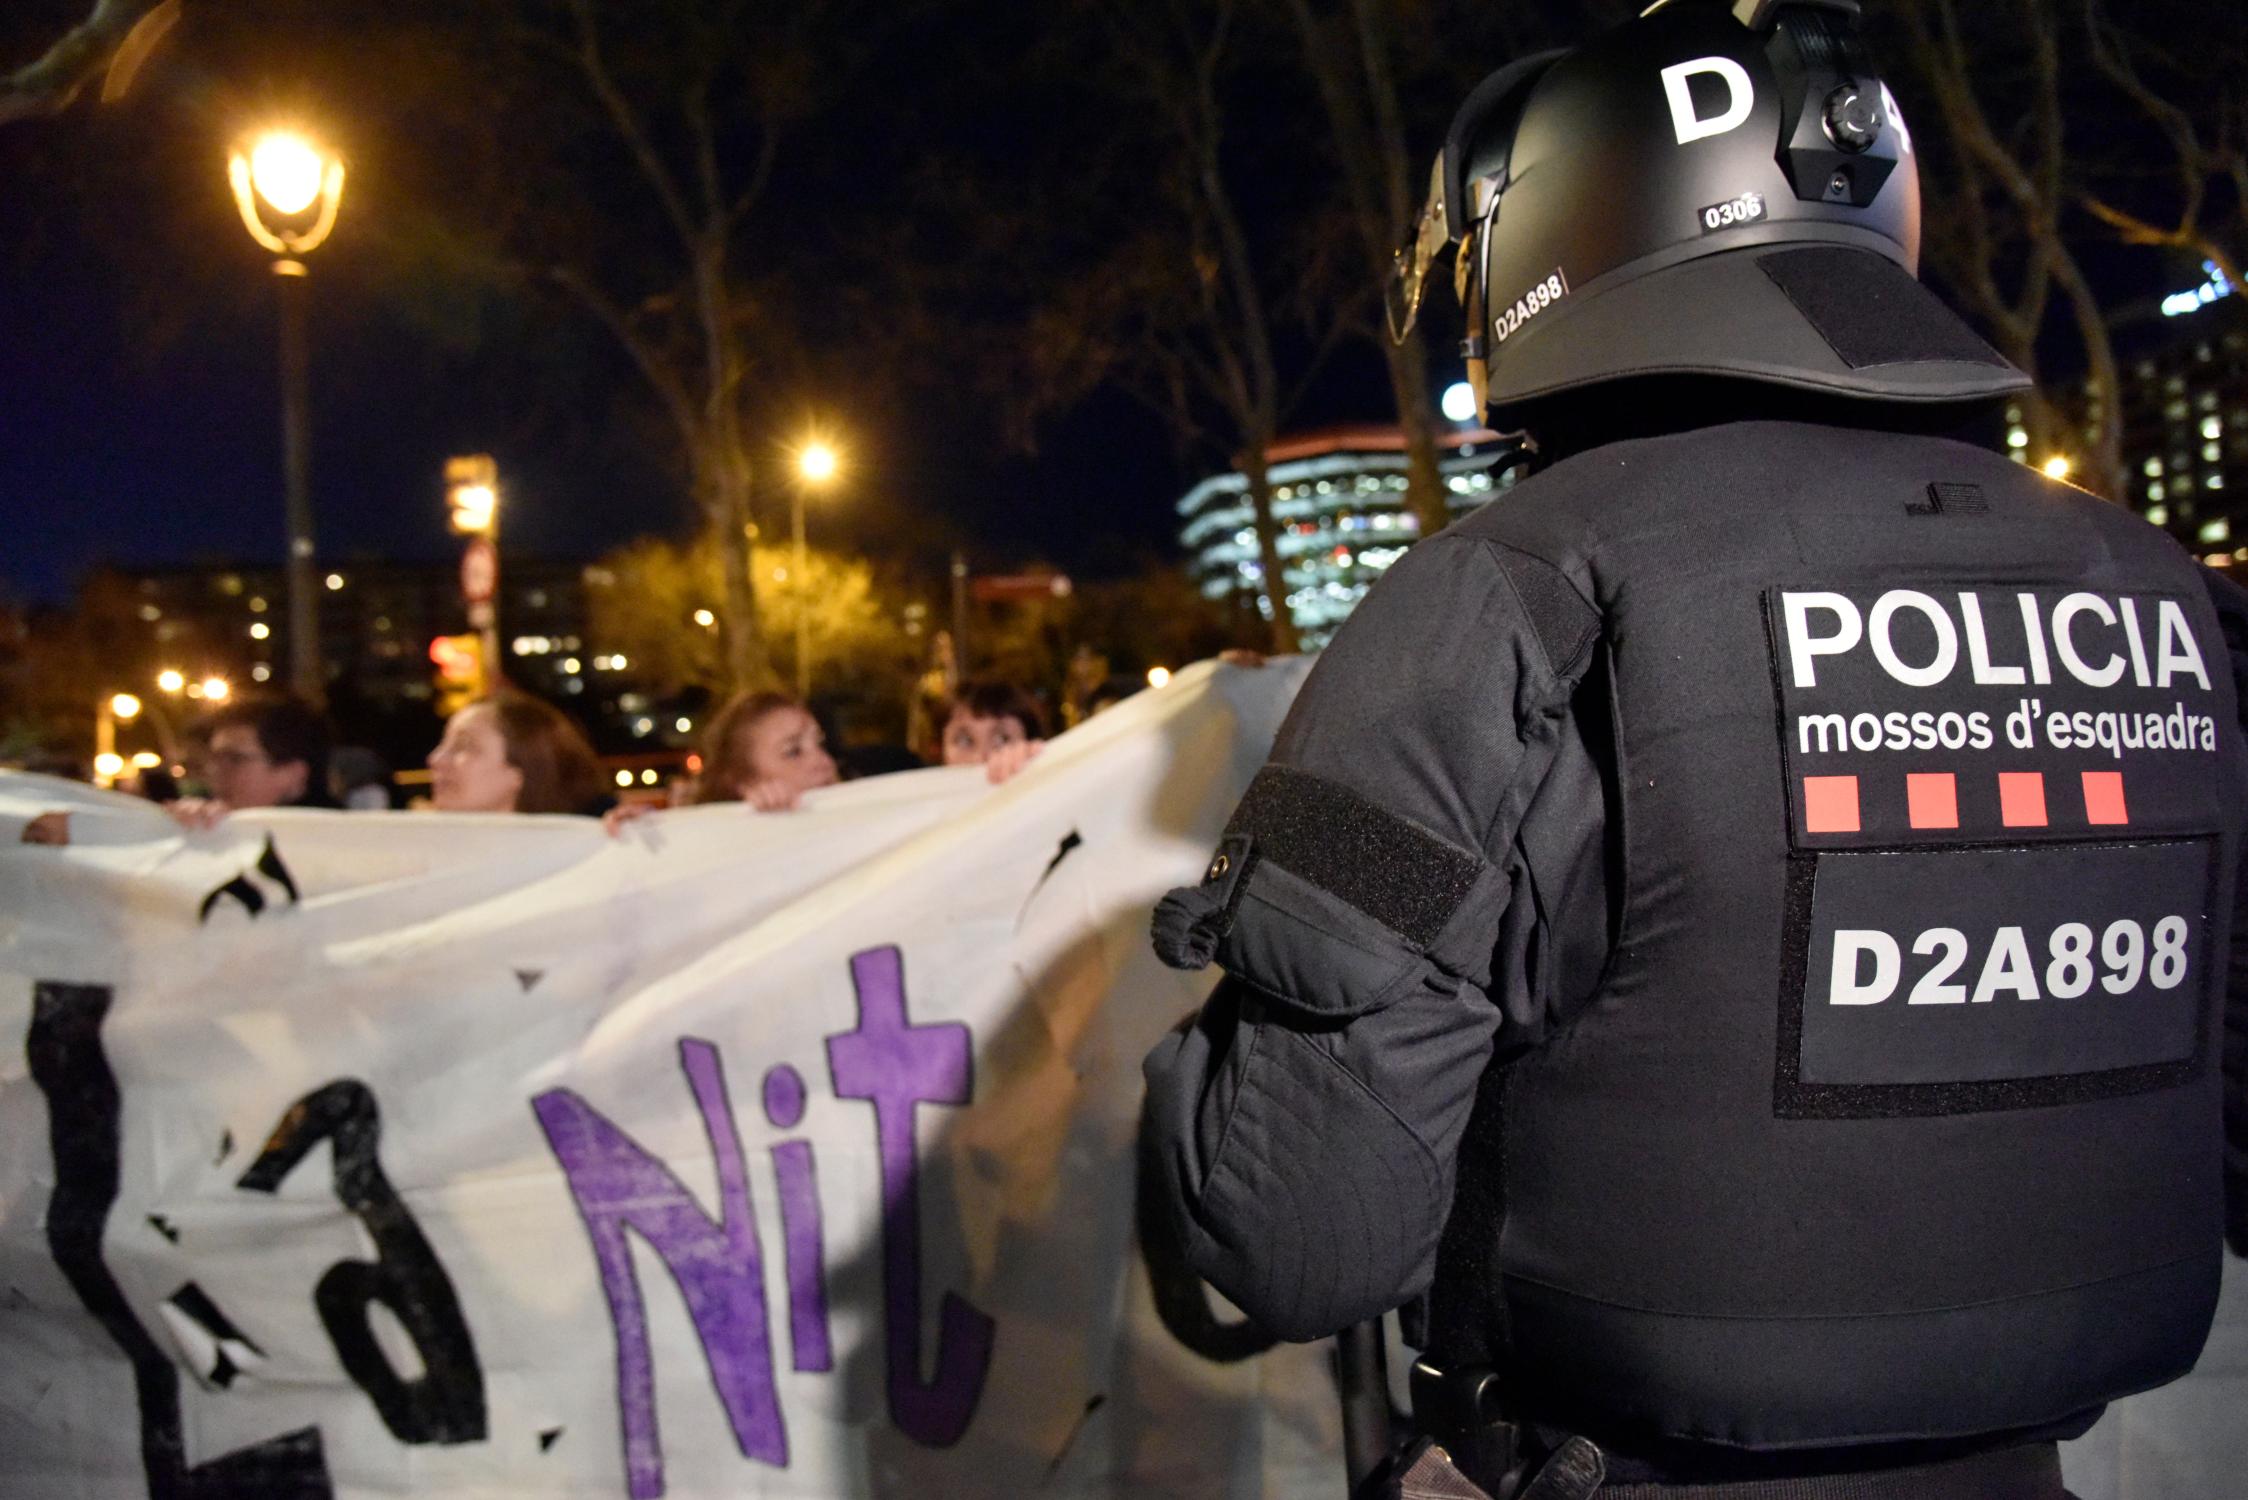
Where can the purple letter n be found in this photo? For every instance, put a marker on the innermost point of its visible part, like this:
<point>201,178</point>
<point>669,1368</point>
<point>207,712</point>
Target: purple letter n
<point>717,1266</point>
<point>895,1064</point>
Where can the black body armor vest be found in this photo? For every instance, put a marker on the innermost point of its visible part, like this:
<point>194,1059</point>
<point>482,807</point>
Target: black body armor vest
<point>1889,1109</point>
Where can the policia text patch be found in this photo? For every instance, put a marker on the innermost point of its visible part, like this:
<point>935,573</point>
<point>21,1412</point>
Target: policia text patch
<point>1942,714</point>
<point>2001,801</point>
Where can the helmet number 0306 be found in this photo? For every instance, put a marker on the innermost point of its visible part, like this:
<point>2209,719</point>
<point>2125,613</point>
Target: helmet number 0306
<point>1748,208</point>
<point>1529,305</point>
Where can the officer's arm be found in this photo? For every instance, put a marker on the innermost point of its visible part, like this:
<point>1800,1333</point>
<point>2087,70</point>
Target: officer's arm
<point>2232,612</point>
<point>1302,1131</point>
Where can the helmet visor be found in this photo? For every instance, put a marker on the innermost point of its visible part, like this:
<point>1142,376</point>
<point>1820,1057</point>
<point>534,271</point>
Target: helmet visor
<point>1408,276</point>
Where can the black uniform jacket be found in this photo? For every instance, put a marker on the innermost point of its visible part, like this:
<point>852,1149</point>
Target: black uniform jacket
<point>1549,805</point>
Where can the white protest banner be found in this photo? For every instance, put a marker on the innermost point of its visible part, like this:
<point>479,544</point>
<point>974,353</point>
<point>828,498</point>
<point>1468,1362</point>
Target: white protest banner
<point>377,1155</point>
<point>745,1154</point>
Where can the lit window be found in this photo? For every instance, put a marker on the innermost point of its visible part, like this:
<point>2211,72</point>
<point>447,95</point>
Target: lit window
<point>2017,438</point>
<point>261,673</point>
<point>260,631</point>
<point>2211,452</point>
<point>335,582</point>
<point>2211,427</point>
<point>2159,515</point>
<point>2219,530</point>
<point>2154,468</point>
<point>2157,490</point>
<point>2213,482</point>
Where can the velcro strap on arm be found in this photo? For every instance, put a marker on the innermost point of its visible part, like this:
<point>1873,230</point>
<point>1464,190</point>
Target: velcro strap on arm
<point>1327,902</point>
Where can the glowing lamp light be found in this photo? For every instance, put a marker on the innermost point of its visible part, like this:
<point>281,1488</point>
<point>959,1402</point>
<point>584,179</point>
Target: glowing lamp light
<point>2056,467</point>
<point>705,618</point>
<point>286,171</point>
<point>287,176</point>
<point>170,681</point>
<point>125,706</point>
<point>216,689</point>
<point>1458,402</point>
<point>108,765</point>
<point>147,760</point>
<point>624,778</point>
<point>817,462</point>
<point>1158,676</point>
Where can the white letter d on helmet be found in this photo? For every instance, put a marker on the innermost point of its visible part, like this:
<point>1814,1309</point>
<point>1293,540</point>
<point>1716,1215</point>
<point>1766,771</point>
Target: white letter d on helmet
<point>1742,95</point>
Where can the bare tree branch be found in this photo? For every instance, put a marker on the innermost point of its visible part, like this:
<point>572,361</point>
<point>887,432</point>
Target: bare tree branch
<point>662,377</point>
<point>628,124</point>
<point>2195,163</point>
<point>105,38</point>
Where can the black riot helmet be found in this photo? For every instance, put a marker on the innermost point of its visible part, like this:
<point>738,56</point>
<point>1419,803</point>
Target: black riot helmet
<point>1714,188</point>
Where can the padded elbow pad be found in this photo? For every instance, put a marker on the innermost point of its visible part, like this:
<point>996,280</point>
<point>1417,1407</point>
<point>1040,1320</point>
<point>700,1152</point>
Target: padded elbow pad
<point>1329,904</point>
<point>1320,1208</point>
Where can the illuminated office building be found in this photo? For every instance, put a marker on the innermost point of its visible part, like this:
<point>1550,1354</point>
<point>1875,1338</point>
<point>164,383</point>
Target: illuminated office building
<point>1339,496</point>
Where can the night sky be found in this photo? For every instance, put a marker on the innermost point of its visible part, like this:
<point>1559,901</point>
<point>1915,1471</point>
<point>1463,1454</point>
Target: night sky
<point>139,418</point>
<point>139,408</point>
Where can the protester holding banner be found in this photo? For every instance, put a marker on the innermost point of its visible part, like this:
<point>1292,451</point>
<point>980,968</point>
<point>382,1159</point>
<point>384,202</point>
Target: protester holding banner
<point>267,751</point>
<point>513,753</point>
<point>995,725</point>
<point>767,750</point>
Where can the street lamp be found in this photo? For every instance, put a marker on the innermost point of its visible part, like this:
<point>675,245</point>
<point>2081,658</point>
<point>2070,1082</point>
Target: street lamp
<point>288,191</point>
<point>816,464</point>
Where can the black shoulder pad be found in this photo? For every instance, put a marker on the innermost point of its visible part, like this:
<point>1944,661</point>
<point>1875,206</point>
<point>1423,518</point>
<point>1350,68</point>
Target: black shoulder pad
<point>1390,868</point>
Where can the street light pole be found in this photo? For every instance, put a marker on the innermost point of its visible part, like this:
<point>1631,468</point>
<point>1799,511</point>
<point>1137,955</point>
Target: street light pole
<point>803,596</point>
<point>292,283</point>
<point>288,192</point>
<point>816,463</point>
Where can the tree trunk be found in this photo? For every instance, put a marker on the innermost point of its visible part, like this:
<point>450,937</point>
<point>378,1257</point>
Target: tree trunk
<point>2102,472</point>
<point>726,505</point>
<point>1257,470</point>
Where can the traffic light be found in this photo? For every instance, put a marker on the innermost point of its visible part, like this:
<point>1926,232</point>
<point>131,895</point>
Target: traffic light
<point>472,490</point>
<point>459,660</point>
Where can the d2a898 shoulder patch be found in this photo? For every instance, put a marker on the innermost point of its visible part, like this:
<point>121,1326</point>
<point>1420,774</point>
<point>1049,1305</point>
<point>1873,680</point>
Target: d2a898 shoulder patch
<point>1944,715</point>
<point>1944,981</point>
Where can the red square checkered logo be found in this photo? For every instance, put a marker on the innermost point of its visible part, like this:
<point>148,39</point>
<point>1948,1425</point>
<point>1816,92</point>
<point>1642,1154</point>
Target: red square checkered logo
<point>2021,799</point>
<point>1830,804</point>
<point>1932,799</point>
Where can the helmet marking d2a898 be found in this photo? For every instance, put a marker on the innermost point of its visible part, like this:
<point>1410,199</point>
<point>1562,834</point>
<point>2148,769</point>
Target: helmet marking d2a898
<point>1711,189</point>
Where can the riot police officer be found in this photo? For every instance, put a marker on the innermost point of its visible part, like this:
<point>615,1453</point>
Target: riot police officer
<point>1737,930</point>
